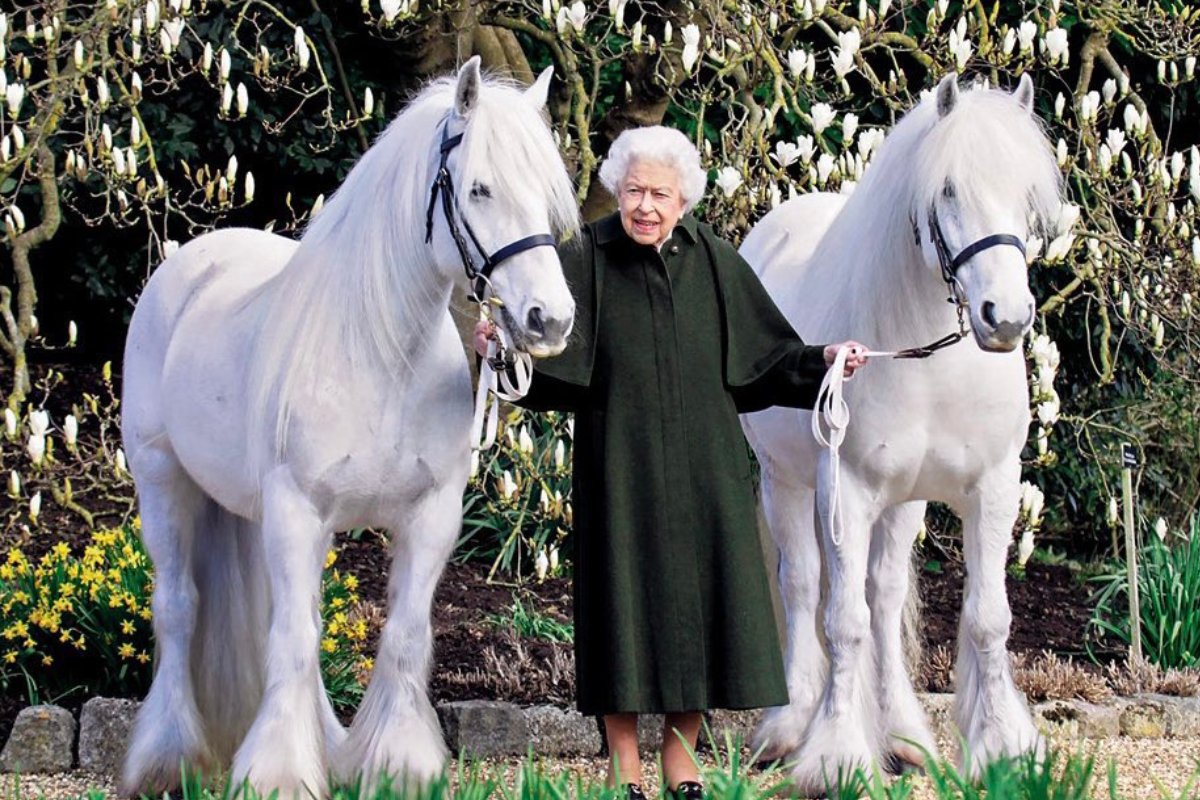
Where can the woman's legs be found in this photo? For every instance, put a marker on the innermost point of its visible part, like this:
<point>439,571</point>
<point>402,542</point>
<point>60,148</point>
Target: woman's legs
<point>678,760</point>
<point>621,732</point>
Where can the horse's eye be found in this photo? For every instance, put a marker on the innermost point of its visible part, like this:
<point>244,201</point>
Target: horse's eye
<point>480,190</point>
<point>948,191</point>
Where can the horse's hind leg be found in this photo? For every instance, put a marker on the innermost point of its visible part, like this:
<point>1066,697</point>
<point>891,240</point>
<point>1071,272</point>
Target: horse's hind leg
<point>903,719</point>
<point>990,713</point>
<point>285,747</point>
<point>168,730</point>
<point>396,733</point>
<point>789,511</point>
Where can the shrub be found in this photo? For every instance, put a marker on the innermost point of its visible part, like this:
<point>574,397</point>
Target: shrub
<point>1169,590</point>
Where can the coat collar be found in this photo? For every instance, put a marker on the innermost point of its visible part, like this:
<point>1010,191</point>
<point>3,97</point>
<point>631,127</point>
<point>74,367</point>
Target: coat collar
<point>609,229</point>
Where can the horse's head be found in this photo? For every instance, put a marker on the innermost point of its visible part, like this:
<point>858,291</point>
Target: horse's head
<point>988,179</point>
<point>501,203</point>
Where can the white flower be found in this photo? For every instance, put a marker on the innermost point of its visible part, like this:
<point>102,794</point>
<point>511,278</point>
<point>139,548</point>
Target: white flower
<point>805,147</point>
<point>1060,152</point>
<point>10,423</point>
<point>849,41</point>
<point>524,440</point>
<point>474,463</point>
<point>508,486</point>
<point>560,454</point>
<point>1068,214</point>
<point>226,63</point>
<point>1059,247</point>
<point>1010,41</point>
<point>1176,166</point>
<point>1133,118</point>
<point>1113,511</point>
<point>39,423</point>
<point>869,141</point>
<point>79,54</point>
<point>1115,139</point>
<point>36,447</point>
<point>368,102</point>
<point>1110,91</point>
<point>577,16</point>
<point>1060,103</point>
<point>243,99</point>
<point>120,459</point>
<point>1047,412</point>
<point>249,187</point>
<point>1025,35</point>
<point>822,116</point>
<point>668,34</point>
<point>849,127</point>
<point>1056,45</point>
<point>14,484</point>
<point>14,95</point>
<point>1025,547</point>
<point>553,560</point>
<point>843,63</point>
<point>728,180</point>
<point>544,501</point>
<point>174,30</point>
<point>206,58</point>
<point>961,47</point>
<point>797,59</point>
<point>786,154</point>
<point>825,165</point>
<point>691,46</point>
<point>35,506</point>
<point>390,9</point>
<point>302,51</point>
<point>151,16</point>
<point>226,98</point>
<point>71,430</point>
<point>542,565</point>
<point>1160,529</point>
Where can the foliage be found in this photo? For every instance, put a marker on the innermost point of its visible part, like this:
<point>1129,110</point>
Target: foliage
<point>528,621</point>
<point>1169,595</point>
<point>517,513</point>
<point>83,623</point>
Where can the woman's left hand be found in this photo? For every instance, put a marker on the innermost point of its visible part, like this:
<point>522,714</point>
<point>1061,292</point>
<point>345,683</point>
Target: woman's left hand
<point>855,359</point>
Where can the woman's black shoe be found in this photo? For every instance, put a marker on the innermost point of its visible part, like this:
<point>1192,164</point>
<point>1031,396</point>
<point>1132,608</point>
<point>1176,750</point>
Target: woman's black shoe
<point>633,791</point>
<point>689,790</point>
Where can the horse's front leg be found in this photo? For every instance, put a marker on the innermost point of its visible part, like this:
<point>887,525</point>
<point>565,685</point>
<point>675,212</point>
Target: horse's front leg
<point>396,732</point>
<point>889,594</point>
<point>790,516</point>
<point>285,747</point>
<point>991,715</point>
<point>843,734</point>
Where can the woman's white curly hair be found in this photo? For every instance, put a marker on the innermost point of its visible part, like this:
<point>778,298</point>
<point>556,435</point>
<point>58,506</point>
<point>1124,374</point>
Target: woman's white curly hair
<point>658,145</point>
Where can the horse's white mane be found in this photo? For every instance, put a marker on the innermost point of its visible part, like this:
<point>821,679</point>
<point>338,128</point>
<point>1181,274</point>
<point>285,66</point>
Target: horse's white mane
<point>362,287</point>
<point>987,146</point>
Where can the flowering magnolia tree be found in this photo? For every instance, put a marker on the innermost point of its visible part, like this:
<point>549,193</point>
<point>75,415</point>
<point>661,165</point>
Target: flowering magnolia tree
<point>782,97</point>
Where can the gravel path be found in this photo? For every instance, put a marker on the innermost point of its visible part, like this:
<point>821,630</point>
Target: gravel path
<point>1147,769</point>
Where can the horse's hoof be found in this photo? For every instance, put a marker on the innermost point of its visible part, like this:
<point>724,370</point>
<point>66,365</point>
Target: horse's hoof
<point>896,764</point>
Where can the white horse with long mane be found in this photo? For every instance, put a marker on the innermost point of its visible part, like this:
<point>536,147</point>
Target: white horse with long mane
<point>278,391</point>
<point>943,209</point>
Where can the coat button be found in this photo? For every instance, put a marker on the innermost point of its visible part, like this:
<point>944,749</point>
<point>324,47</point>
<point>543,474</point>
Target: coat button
<point>674,249</point>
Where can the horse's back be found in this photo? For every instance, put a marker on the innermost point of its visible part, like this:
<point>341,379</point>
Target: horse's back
<point>780,245</point>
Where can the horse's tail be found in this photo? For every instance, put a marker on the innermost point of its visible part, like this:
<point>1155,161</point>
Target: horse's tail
<point>232,619</point>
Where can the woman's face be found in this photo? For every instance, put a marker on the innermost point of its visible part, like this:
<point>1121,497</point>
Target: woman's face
<point>650,202</point>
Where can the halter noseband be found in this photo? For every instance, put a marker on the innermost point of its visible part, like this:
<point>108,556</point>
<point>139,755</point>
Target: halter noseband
<point>444,185</point>
<point>950,266</point>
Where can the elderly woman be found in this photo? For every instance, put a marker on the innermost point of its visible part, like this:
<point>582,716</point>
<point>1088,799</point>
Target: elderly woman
<point>674,338</point>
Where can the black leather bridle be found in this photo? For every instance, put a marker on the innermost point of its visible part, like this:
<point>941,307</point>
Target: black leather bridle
<point>443,185</point>
<point>950,265</point>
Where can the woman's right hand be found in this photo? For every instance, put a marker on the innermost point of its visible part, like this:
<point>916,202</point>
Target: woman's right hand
<point>485,329</point>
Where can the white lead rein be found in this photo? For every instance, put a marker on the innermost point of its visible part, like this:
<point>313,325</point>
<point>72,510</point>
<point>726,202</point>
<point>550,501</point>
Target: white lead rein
<point>832,410</point>
<point>496,386</point>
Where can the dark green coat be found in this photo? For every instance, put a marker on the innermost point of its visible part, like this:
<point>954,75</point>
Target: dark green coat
<point>672,606</point>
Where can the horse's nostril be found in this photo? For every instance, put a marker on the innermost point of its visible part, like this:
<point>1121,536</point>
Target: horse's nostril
<point>536,324</point>
<point>989,313</point>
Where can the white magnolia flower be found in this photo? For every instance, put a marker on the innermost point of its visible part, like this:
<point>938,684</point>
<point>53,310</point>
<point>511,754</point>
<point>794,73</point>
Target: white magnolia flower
<point>39,423</point>
<point>35,506</point>
<point>843,63</point>
<point>728,180</point>
<point>474,463</point>
<point>302,52</point>
<point>825,165</point>
<point>553,560</point>
<point>10,423</point>
<point>1109,91</point>
<point>206,58</point>
<point>1068,214</point>
<point>577,16</point>
<point>1060,152</point>
<point>1176,166</point>
<point>368,102</point>
<point>560,454</point>
<point>1025,547</point>
<point>174,30</point>
<point>1114,511</point>
<point>805,147</point>
<point>151,13</point>
<point>786,154</point>
<point>226,63</point>
<point>524,440</point>
<point>1160,529</point>
<point>14,95</point>
<point>1025,35</point>
<point>390,9</point>
<point>691,46</point>
<point>1115,139</point>
<point>797,59</point>
<point>226,98</point>
<point>1056,45</point>
<point>508,487</point>
<point>71,430</point>
<point>1047,412</point>
<point>120,459</point>
<point>79,54</point>
<point>1059,247</point>
<point>1060,103</point>
<point>822,116</point>
<point>243,99</point>
<point>1010,41</point>
<point>961,47</point>
<point>36,447</point>
<point>849,128</point>
<point>542,565</point>
<point>849,40</point>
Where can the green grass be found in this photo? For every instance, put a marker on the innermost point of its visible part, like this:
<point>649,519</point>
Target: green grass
<point>527,621</point>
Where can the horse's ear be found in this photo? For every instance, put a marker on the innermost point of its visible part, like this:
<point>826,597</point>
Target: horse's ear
<point>467,91</point>
<point>947,94</point>
<point>539,90</point>
<point>1024,93</point>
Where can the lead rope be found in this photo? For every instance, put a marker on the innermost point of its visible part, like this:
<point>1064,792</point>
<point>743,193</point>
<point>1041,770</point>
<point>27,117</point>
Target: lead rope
<point>495,384</point>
